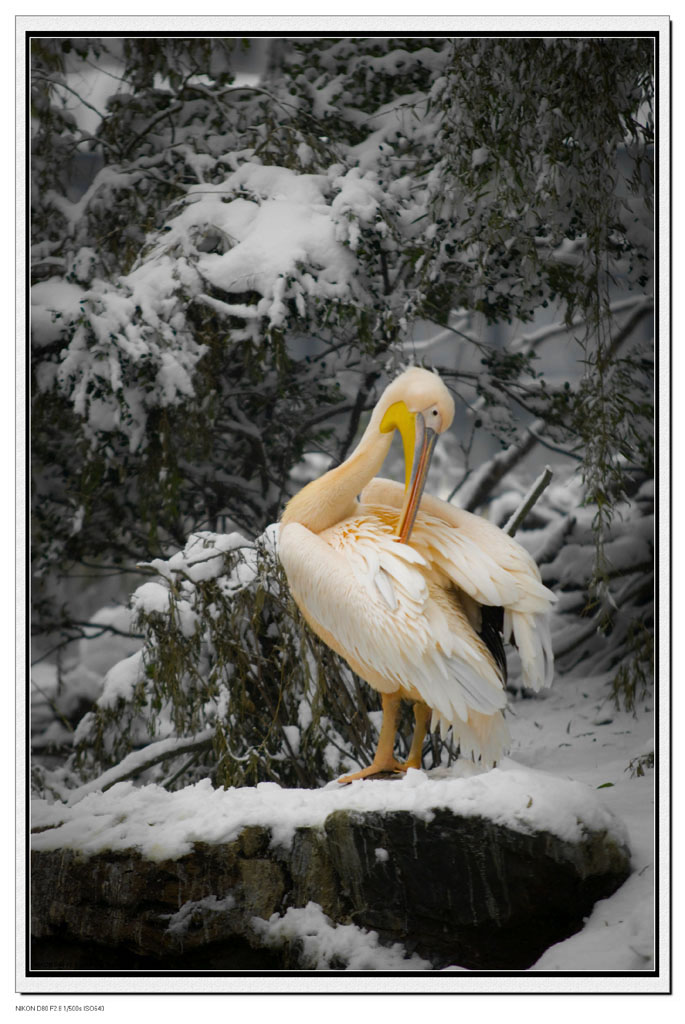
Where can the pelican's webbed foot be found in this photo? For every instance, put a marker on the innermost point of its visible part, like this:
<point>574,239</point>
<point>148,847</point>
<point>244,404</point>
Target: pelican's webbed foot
<point>380,769</point>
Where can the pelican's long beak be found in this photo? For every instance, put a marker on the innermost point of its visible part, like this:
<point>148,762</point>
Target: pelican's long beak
<point>424,442</point>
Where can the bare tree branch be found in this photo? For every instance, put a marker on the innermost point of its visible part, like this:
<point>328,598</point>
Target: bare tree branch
<point>479,485</point>
<point>513,523</point>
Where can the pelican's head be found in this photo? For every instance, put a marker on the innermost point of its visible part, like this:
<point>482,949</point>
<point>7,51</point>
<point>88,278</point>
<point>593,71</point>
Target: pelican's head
<point>418,404</point>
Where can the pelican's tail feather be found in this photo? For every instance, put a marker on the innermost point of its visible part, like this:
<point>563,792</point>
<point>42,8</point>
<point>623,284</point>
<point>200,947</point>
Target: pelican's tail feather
<point>531,633</point>
<point>481,737</point>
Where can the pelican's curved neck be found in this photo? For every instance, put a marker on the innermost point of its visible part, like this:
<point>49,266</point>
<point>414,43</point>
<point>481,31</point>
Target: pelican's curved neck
<point>324,502</point>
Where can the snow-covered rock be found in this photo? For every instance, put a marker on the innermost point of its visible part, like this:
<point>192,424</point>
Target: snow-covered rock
<point>476,869</point>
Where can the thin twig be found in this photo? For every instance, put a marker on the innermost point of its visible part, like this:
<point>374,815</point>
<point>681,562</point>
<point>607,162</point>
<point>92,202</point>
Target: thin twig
<point>628,328</point>
<point>168,112</point>
<point>554,447</point>
<point>475,489</point>
<point>181,771</point>
<point>63,85</point>
<point>53,706</point>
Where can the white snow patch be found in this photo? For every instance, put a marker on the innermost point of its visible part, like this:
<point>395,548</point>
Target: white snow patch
<point>329,946</point>
<point>480,156</point>
<point>202,558</point>
<point>121,680</point>
<point>53,304</point>
<point>151,598</point>
<point>285,224</point>
<point>292,734</point>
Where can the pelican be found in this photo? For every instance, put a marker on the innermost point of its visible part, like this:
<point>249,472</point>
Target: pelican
<point>411,591</point>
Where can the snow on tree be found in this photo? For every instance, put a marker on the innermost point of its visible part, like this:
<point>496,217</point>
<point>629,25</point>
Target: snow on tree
<point>215,313</point>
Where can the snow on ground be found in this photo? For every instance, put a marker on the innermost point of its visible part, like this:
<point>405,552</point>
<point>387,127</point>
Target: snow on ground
<point>575,731</point>
<point>164,824</point>
<point>569,761</point>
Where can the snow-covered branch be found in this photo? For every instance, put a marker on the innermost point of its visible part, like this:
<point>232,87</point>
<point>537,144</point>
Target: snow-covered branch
<point>140,760</point>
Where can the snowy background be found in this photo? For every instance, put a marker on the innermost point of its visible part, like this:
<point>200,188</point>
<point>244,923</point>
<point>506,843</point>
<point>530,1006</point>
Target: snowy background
<point>286,242</point>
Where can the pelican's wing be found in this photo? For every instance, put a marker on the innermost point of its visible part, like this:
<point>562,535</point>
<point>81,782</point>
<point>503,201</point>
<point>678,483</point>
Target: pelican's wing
<point>488,565</point>
<point>406,632</point>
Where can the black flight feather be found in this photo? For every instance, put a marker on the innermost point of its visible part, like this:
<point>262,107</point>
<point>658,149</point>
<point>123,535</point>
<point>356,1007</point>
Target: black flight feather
<point>492,625</point>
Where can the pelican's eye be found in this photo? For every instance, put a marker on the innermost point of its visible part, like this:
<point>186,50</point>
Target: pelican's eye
<point>433,418</point>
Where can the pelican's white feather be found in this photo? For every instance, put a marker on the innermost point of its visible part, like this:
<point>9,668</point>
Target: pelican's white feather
<point>491,567</point>
<point>425,645</point>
